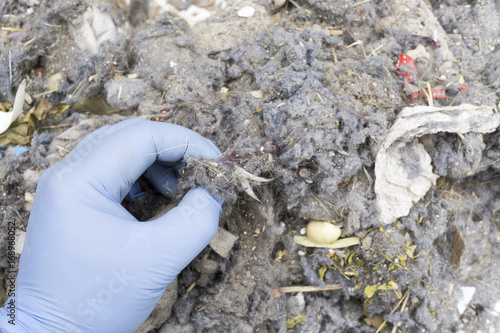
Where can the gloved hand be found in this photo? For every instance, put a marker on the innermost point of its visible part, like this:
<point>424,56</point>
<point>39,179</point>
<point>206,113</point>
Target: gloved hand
<point>87,264</point>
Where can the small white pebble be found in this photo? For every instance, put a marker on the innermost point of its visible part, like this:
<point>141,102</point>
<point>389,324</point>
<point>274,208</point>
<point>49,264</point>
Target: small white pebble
<point>301,253</point>
<point>172,64</point>
<point>246,11</point>
<point>303,231</point>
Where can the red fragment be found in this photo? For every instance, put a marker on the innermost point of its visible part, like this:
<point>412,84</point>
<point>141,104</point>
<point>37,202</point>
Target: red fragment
<point>276,293</point>
<point>413,95</point>
<point>438,92</point>
<point>434,44</point>
<point>163,112</point>
<point>237,157</point>
<point>405,66</point>
<point>464,88</point>
<point>38,70</point>
<point>268,148</point>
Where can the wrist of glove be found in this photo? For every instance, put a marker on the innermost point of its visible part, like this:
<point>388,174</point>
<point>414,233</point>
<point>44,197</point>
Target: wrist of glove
<point>87,264</point>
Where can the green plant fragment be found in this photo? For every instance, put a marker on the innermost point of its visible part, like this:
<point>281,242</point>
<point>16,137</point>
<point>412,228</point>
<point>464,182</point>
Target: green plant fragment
<point>338,244</point>
<point>371,290</point>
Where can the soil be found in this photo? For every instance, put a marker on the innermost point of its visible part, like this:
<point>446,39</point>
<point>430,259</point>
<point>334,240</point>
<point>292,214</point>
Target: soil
<point>303,95</point>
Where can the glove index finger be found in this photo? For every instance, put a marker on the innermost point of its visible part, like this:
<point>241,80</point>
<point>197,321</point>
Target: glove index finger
<point>119,159</point>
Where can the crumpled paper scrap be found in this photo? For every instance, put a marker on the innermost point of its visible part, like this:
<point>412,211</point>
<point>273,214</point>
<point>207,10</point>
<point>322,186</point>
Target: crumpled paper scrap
<point>7,118</point>
<point>93,28</point>
<point>403,168</point>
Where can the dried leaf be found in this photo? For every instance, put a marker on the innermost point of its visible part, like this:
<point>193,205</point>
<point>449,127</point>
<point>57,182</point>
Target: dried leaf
<point>340,243</point>
<point>322,272</point>
<point>371,290</point>
<point>457,247</point>
<point>21,131</point>
<point>7,118</point>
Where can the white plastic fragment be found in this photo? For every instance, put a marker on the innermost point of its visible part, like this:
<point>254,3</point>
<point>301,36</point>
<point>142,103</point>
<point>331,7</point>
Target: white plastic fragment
<point>223,242</point>
<point>279,3</point>
<point>246,11</point>
<point>7,118</point>
<point>93,28</point>
<point>244,176</point>
<point>403,168</point>
<point>194,15</point>
<point>465,298</point>
<point>20,238</point>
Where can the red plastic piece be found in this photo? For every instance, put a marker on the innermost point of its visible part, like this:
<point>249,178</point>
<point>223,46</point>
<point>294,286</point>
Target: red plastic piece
<point>406,61</point>
<point>464,88</point>
<point>438,92</point>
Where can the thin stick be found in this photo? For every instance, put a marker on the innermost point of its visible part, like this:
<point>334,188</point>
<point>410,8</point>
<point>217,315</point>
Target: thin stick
<point>336,32</point>
<point>341,272</point>
<point>13,29</point>
<point>335,60</point>
<point>78,87</point>
<point>211,168</point>
<point>361,3</point>
<point>10,68</point>
<point>44,93</point>
<point>306,289</point>
<point>407,295</point>
<point>28,43</point>
<point>340,105</point>
<point>402,309</point>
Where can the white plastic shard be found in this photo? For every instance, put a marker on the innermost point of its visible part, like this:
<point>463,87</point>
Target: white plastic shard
<point>7,118</point>
<point>244,176</point>
<point>93,28</point>
<point>464,299</point>
<point>250,176</point>
<point>403,168</point>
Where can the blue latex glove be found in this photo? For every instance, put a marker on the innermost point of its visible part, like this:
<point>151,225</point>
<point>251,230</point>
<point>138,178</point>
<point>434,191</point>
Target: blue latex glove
<point>87,264</point>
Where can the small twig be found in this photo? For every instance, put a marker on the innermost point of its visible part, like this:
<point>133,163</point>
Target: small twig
<point>406,295</point>
<point>340,105</point>
<point>341,271</point>
<point>78,86</point>
<point>13,29</point>
<point>211,168</point>
<point>359,42</point>
<point>27,43</point>
<point>54,126</point>
<point>335,60</point>
<point>493,93</point>
<point>374,52</point>
<point>360,3</point>
<point>336,32</point>
<point>321,204</point>
<point>484,283</point>
<point>44,93</point>
<point>10,68</point>
<point>306,289</point>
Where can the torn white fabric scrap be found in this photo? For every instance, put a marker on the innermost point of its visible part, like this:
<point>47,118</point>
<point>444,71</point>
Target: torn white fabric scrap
<point>93,28</point>
<point>403,168</point>
<point>7,118</point>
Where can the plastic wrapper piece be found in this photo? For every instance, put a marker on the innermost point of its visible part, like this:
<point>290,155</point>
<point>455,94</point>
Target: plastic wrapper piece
<point>403,168</point>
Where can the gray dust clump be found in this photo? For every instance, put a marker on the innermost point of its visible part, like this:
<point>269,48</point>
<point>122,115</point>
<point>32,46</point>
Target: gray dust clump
<point>288,98</point>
